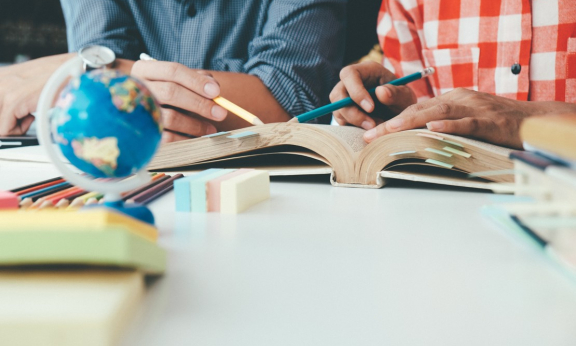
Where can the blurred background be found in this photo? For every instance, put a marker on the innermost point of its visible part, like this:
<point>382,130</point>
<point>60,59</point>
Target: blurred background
<point>31,29</point>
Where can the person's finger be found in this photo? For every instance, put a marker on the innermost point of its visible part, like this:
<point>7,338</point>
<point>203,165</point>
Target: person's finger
<point>176,120</point>
<point>349,115</point>
<point>418,115</point>
<point>376,132</point>
<point>174,95</point>
<point>199,83</point>
<point>397,98</point>
<point>22,125</point>
<point>355,78</point>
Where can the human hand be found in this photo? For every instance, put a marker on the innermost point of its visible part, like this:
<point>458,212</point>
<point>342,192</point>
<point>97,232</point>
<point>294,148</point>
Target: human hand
<point>355,80</point>
<point>20,88</point>
<point>185,95</point>
<point>470,113</point>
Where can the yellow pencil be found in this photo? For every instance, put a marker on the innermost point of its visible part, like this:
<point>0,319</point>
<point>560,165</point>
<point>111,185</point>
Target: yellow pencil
<point>224,103</point>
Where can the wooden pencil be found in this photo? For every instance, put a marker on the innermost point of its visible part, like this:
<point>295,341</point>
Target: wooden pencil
<point>158,194</point>
<point>52,200</point>
<point>152,191</point>
<point>39,187</point>
<point>34,196</point>
<point>79,202</point>
<point>19,189</point>
<point>149,185</point>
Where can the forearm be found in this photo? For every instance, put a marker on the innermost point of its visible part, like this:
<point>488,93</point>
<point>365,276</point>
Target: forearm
<point>250,93</point>
<point>550,107</point>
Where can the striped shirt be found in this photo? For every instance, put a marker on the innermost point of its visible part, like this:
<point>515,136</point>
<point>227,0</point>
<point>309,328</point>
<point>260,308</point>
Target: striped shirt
<point>520,49</point>
<point>294,46</point>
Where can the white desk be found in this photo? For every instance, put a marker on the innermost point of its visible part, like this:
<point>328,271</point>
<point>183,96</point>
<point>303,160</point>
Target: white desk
<point>318,265</point>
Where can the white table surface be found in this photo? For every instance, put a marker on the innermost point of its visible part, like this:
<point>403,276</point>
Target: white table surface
<point>318,265</point>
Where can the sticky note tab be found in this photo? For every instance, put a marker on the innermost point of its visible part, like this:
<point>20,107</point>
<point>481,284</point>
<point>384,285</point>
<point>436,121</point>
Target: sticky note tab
<point>439,152</point>
<point>198,189</point>
<point>182,190</point>
<point>8,200</point>
<point>213,189</point>
<point>458,152</point>
<point>403,153</point>
<point>242,192</point>
<point>439,163</point>
<point>453,143</point>
<point>218,134</point>
<point>492,173</point>
<point>245,134</point>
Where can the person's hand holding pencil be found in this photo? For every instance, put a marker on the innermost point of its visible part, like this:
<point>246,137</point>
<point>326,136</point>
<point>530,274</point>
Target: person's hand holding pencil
<point>190,98</point>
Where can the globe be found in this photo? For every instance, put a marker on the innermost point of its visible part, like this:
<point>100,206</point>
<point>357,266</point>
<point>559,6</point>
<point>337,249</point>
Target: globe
<point>107,124</point>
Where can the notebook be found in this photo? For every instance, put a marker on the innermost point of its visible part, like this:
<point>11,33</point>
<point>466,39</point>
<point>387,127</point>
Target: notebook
<point>299,149</point>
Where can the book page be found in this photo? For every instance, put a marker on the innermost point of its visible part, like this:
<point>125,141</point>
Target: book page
<point>350,135</point>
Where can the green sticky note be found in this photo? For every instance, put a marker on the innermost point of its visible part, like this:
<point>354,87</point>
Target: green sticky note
<point>198,190</point>
<point>439,152</point>
<point>439,163</point>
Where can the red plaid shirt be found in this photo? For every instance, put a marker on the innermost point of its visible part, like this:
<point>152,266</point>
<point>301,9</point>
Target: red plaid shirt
<point>521,49</point>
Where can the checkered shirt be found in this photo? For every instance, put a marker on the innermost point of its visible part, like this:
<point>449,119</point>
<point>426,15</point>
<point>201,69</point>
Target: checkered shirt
<point>295,47</point>
<point>474,44</point>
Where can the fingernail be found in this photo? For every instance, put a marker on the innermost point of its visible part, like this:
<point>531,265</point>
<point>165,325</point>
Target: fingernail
<point>219,113</point>
<point>394,124</point>
<point>210,129</point>
<point>366,125</point>
<point>370,135</point>
<point>212,90</point>
<point>435,126</point>
<point>366,105</point>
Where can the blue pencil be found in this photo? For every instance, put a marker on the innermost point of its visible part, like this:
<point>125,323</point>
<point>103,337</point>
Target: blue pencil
<point>33,194</point>
<point>318,112</point>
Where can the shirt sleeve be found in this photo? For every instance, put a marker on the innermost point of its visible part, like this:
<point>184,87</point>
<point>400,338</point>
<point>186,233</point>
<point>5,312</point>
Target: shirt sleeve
<point>102,22</point>
<point>299,53</point>
<point>400,35</point>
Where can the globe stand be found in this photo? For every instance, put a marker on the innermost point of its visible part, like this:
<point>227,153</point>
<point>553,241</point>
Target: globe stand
<point>112,190</point>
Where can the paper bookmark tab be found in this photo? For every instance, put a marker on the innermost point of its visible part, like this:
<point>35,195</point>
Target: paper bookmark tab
<point>439,152</point>
<point>245,134</point>
<point>403,153</point>
<point>453,143</point>
<point>439,163</point>
<point>457,152</point>
<point>218,134</point>
<point>430,136</point>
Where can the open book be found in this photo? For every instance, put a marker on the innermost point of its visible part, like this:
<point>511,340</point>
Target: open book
<point>298,149</point>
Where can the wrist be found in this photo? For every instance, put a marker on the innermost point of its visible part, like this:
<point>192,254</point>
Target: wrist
<point>124,65</point>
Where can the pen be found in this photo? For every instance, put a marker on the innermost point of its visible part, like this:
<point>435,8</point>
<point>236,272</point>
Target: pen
<point>318,112</point>
<point>224,103</point>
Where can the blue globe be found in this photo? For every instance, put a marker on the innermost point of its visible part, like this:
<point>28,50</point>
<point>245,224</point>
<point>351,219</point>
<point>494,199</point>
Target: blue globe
<point>107,124</point>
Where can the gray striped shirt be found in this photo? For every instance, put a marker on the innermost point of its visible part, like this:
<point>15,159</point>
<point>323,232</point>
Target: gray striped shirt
<point>294,46</point>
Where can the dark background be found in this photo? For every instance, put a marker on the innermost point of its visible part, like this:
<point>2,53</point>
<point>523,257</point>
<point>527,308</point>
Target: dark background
<point>35,28</point>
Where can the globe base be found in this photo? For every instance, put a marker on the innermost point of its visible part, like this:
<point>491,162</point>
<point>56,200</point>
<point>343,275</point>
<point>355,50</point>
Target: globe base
<point>136,211</point>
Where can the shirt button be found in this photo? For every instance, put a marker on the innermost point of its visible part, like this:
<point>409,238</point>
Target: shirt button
<point>192,10</point>
<point>516,68</point>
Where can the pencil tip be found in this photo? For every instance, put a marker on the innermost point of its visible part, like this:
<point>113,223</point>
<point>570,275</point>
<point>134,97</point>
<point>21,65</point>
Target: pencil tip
<point>293,120</point>
<point>257,122</point>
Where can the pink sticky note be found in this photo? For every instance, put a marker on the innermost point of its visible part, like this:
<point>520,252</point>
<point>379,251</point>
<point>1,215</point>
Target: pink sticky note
<point>213,189</point>
<point>8,200</point>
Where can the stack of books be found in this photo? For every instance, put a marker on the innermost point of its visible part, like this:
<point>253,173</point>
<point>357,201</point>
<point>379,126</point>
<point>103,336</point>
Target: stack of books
<point>545,204</point>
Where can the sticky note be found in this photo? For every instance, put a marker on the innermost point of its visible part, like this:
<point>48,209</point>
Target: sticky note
<point>8,200</point>
<point>213,189</point>
<point>182,190</point>
<point>439,163</point>
<point>245,134</point>
<point>198,189</point>
<point>458,152</point>
<point>453,143</point>
<point>430,136</point>
<point>403,153</point>
<point>242,192</point>
<point>214,135</point>
<point>439,152</point>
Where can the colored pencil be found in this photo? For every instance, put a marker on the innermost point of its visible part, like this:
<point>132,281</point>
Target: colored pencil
<point>145,187</point>
<point>52,200</point>
<point>318,112</point>
<point>152,191</point>
<point>39,187</point>
<point>79,202</point>
<point>69,200</point>
<point>34,196</point>
<point>224,103</point>
<point>21,188</point>
<point>158,194</point>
